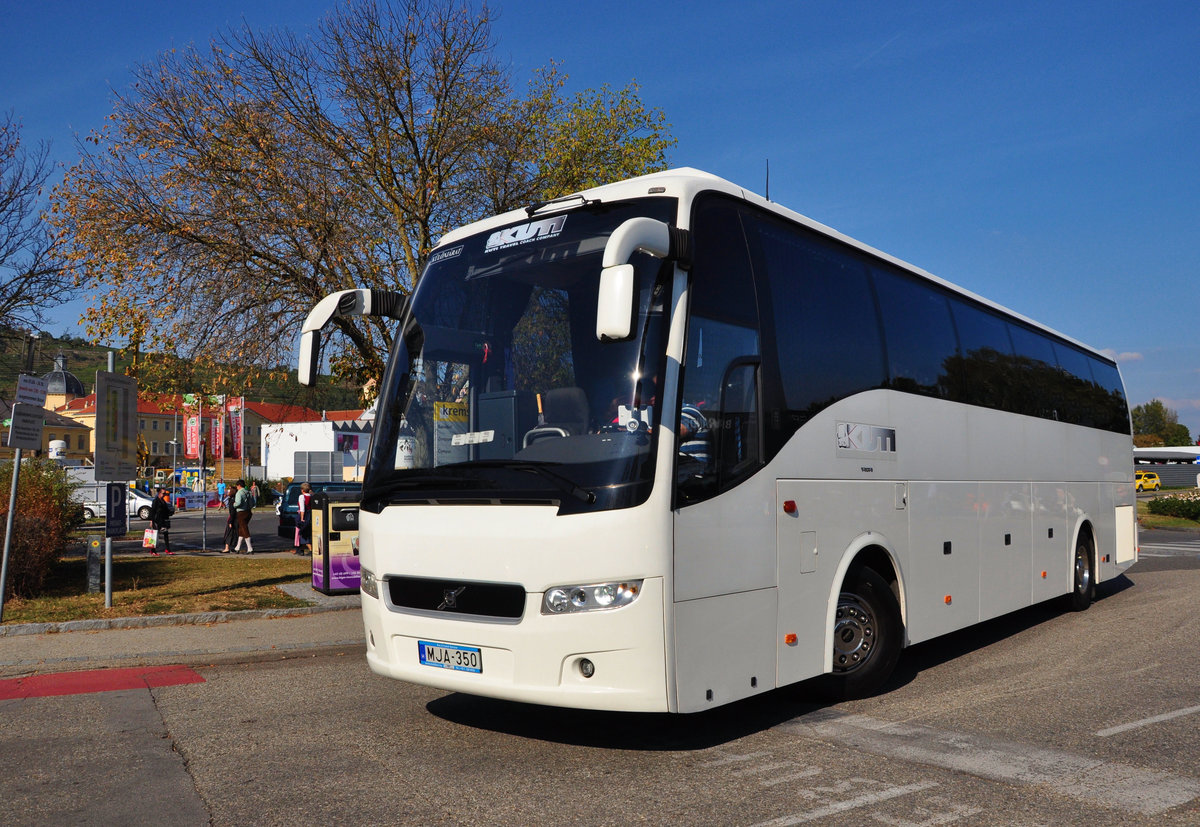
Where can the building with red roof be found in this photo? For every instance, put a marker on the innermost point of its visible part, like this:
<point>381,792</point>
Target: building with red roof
<point>162,420</point>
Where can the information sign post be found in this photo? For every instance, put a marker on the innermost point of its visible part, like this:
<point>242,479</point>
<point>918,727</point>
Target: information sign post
<point>116,445</point>
<point>116,427</point>
<point>24,431</point>
<point>31,391</point>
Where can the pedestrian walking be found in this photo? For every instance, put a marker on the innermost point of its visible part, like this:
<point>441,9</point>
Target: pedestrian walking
<point>160,520</point>
<point>304,521</point>
<point>231,523</point>
<point>243,505</point>
<point>254,493</point>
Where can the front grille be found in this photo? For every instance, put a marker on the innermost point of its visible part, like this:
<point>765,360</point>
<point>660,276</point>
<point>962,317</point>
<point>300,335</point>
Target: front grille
<point>457,597</point>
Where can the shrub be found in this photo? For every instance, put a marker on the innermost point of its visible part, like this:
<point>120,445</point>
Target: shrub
<point>42,525</point>
<point>1185,505</point>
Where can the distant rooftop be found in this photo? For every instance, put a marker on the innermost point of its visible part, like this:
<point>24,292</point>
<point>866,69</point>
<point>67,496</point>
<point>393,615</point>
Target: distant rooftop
<point>1178,453</point>
<point>62,381</point>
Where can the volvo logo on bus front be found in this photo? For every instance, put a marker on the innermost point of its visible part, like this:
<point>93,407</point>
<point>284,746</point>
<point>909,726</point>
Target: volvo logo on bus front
<point>450,598</point>
<point>858,441</point>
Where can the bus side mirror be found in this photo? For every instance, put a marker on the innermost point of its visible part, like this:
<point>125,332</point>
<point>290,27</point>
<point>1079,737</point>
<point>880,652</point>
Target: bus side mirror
<point>615,302</point>
<point>344,303</point>
<point>310,354</point>
<point>614,306</point>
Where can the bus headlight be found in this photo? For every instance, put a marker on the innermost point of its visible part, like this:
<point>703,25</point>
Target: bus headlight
<point>566,599</point>
<point>368,584</point>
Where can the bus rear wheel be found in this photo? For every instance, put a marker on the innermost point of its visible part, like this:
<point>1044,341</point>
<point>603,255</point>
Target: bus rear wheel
<point>866,636</point>
<point>1084,590</point>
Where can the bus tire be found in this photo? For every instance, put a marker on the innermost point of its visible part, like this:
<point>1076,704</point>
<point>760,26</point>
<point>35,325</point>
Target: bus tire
<point>866,636</point>
<point>1083,592</point>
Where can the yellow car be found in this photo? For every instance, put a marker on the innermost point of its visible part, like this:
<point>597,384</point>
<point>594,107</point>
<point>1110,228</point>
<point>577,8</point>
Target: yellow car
<point>1146,481</point>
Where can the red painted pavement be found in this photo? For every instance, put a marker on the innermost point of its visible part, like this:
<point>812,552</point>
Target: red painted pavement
<point>97,680</point>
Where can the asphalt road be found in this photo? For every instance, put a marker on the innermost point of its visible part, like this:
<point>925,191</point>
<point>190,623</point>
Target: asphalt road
<point>1041,717</point>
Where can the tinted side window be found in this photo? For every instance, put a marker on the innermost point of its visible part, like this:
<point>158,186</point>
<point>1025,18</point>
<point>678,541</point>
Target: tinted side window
<point>1076,396</point>
<point>984,373</point>
<point>825,323</point>
<point>1037,391</point>
<point>1111,397</point>
<point>919,333</point>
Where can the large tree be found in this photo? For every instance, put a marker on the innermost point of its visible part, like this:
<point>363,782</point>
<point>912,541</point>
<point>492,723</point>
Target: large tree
<point>31,278</point>
<point>1155,424</point>
<point>236,186</point>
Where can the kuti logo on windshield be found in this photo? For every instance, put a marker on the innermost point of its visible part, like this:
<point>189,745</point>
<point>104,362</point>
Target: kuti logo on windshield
<point>524,233</point>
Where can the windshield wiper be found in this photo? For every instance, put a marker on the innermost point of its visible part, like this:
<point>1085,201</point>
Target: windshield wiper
<point>566,484</point>
<point>537,206</point>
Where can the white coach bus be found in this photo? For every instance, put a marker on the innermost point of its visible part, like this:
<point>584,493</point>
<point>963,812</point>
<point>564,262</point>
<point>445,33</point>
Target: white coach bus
<point>664,444</point>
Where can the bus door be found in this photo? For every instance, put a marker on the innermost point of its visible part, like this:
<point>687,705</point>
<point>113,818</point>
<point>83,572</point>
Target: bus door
<point>725,547</point>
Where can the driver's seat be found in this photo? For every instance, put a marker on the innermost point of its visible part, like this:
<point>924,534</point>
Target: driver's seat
<point>564,413</point>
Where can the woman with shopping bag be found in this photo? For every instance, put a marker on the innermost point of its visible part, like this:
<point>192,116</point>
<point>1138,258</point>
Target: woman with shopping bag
<point>160,522</point>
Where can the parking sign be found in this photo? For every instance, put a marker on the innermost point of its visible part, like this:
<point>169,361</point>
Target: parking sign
<point>116,520</point>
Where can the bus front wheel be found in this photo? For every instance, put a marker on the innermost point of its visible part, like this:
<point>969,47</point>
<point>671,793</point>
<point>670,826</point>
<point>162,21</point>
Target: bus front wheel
<point>866,636</point>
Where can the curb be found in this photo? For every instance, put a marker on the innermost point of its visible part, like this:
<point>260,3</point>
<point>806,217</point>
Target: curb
<point>325,603</point>
<point>194,619</point>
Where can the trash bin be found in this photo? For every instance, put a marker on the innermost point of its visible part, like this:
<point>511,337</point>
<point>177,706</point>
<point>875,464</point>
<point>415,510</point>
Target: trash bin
<point>335,564</point>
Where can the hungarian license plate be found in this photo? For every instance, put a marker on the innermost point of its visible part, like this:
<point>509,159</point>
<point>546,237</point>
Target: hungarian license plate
<point>449,656</point>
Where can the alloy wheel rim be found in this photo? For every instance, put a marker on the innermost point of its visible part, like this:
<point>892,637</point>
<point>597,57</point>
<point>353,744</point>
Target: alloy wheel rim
<point>854,634</point>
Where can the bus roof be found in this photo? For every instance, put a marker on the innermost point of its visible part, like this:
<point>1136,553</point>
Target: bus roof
<point>686,182</point>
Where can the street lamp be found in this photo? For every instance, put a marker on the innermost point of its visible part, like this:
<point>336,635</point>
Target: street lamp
<point>174,447</point>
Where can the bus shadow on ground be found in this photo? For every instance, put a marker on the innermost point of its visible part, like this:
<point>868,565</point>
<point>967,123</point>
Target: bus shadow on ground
<point>626,730</point>
<point>941,650</point>
<point>704,730</point>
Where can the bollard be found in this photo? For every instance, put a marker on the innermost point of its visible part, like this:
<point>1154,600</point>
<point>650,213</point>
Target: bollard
<point>95,559</point>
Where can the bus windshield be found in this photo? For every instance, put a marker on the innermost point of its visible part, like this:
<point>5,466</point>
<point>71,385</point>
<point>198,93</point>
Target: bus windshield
<point>498,390</point>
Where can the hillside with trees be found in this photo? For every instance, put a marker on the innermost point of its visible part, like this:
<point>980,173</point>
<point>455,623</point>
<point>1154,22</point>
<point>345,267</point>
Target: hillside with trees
<point>276,384</point>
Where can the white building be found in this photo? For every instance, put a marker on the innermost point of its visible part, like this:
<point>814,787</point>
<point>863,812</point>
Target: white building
<point>345,432</point>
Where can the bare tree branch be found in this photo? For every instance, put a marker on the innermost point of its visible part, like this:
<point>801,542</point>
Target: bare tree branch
<point>31,276</point>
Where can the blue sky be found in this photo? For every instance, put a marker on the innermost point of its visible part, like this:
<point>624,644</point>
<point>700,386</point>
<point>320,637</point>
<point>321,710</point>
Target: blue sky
<point>1044,155</point>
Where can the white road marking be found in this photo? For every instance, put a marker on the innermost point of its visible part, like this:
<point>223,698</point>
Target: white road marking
<point>734,759</point>
<point>761,768</point>
<point>1166,716</point>
<point>1095,781</point>
<point>946,812</point>
<point>1170,549</point>
<point>795,776</point>
<point>849,804</point>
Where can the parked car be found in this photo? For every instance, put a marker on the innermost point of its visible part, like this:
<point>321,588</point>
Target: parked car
<point>1146,481</point>
<point>137,504</point>
<point>289,505</point>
